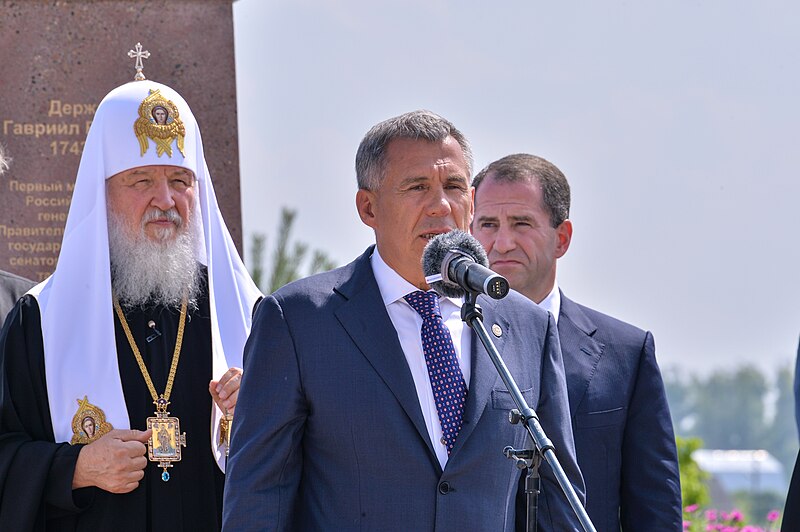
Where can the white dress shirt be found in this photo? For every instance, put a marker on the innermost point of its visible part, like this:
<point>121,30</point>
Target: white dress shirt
<point>408,324</point>
<point>552,303</point>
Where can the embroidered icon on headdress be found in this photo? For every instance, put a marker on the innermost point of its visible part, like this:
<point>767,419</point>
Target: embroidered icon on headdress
<point>159,120</point>
<point>88,423</point>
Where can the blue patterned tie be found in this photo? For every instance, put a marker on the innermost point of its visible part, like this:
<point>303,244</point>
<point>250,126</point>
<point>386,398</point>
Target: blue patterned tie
<point>447,381</point>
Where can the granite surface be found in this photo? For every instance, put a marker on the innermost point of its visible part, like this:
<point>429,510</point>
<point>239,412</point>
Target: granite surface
<point>59,58</point>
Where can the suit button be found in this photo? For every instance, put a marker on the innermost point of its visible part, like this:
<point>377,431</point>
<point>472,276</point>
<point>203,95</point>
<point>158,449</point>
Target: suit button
<point>444,488</point>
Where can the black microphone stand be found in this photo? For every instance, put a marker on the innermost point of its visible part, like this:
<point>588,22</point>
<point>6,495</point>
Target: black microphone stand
<point>472,315</point>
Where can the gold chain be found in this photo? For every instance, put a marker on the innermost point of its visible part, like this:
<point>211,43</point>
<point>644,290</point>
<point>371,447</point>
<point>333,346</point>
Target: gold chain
<point>140,361</point>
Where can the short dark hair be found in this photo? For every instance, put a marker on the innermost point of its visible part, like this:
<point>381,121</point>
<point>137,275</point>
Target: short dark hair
<point>526,167</point>
<point>421,125</point>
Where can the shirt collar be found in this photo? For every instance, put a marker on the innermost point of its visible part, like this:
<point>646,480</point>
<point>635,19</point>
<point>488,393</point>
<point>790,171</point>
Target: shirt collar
<point>393,286</point>
<point>552,303</point>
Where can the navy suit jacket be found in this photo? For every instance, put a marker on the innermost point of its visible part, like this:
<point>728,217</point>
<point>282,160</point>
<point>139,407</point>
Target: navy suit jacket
<point>621,422</point>
<point>791,511</point>
<point>329,434</point>
<point>12,287</point>
<point>797,389</point>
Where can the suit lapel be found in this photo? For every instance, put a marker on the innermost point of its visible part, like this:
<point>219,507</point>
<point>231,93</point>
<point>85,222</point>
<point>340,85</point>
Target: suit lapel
<point>580,350</point>
<point>364,318</point>
<point>484,375</point>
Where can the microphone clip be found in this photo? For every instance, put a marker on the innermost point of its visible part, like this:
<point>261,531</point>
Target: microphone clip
<point>156,332</point>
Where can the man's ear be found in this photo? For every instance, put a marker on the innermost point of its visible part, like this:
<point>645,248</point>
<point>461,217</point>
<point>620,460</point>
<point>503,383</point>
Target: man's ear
<point>471,207</point>
<point>564,236</point>
<point>365,205</point>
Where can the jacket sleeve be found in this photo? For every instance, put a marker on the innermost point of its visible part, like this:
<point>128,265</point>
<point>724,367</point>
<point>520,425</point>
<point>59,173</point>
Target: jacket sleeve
<point>650,485</point>
<point>797,389</point>
<point>35,473</point>
<point>791,511</point>
<point>266,462</point>
<point>555,512</point>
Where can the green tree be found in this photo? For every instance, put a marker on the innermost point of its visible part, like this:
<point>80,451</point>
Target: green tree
<point>680,399</point>
<point>257,258</point>
<point>729,408</point>
<point>287,258</point>
<point>781,436</point>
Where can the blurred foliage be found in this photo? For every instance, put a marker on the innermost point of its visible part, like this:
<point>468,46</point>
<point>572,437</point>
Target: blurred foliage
<point>758,505</point>
<point>693,479</point>
<point>257,259</point>
<point>730,409</point>
<point>727,410</point>
<point>287,258</point>
<point>752,510</point>
<point>781,435</point>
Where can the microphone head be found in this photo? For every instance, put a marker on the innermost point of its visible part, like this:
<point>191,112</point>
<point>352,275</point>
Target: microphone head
<point>438,248</point>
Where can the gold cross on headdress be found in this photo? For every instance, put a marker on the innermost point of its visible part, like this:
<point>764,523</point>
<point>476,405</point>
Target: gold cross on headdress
<point>139,55</point>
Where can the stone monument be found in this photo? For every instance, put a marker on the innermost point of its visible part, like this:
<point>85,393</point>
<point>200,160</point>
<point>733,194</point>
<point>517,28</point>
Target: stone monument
<point>58,61</point>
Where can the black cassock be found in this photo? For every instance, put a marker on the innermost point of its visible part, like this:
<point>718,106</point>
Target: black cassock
<point>36,474</point>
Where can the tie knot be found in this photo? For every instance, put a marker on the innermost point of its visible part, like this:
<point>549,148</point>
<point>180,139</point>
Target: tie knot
<point>425,303</point>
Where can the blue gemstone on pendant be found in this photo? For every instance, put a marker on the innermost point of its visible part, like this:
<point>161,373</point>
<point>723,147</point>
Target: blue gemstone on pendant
<point>165,476</point>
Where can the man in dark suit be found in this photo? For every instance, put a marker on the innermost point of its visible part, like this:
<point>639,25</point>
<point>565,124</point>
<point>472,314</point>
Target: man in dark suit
<point>342,422</point>
<point>797,389</point>
<point>12,287</point>
<point>620,417</point>
<point>791,511</point>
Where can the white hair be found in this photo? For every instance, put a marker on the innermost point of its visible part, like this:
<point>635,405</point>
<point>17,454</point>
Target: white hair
<point>148,272</point>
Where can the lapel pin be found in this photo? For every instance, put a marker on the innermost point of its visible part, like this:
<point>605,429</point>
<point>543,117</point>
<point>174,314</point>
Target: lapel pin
<point>497,331</point>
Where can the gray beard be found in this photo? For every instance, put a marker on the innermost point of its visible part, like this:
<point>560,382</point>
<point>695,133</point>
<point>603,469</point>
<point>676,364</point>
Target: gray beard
<point>147,273</point>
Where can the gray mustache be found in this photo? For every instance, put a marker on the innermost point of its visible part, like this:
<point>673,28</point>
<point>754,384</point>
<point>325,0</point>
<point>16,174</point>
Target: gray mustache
<point>155,213</point>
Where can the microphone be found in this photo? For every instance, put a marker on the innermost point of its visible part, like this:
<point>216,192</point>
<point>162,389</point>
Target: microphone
<point>156,332</point>
<point>455,263</point>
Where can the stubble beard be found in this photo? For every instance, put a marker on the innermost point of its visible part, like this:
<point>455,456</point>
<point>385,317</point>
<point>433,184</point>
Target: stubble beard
<point>156,271</point>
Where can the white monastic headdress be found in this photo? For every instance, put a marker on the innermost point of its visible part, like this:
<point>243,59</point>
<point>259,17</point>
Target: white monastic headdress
<point>75,301</point>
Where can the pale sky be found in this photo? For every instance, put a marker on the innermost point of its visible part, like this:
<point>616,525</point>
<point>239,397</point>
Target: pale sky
<point>676,124</point>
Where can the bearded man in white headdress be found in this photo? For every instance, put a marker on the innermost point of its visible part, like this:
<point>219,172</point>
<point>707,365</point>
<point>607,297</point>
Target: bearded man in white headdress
<point>140,328</point>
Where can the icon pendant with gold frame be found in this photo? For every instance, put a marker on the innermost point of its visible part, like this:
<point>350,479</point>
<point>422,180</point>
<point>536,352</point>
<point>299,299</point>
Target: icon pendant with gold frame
<point>164,445</point>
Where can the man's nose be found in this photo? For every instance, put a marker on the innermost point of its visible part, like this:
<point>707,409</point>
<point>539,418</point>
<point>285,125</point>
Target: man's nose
<point>504,240</point>
<point>162,195</point>
<point>439,204</point>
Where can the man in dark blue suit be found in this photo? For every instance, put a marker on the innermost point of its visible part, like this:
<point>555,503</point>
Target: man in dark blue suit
<point>620,417</point>
<point>342,421</point>
<point>797,389</point>
<point>791,511</point>
<point>12,287</point>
